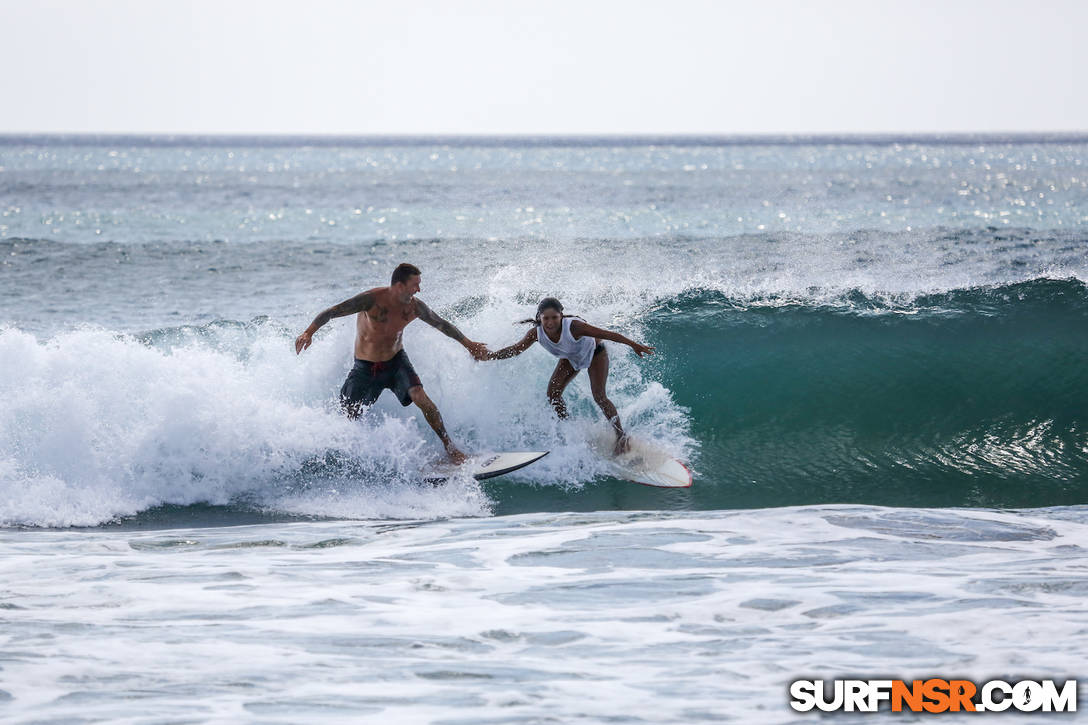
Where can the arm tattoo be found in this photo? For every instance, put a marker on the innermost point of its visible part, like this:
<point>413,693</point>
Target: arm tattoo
<point>427,315</point>
<point>358,303</point>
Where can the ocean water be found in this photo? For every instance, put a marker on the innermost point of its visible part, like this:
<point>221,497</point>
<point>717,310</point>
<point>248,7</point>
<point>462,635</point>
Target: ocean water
<point>870,351</point>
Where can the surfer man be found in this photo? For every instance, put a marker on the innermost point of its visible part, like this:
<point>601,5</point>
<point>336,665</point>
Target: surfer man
<point>380,360</point>
<point>578,346</point>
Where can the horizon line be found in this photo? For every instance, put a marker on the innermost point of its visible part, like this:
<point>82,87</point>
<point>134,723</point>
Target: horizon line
<point>535,139</point>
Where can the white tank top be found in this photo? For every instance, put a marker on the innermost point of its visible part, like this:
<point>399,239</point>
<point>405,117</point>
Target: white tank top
<point>578,352</point>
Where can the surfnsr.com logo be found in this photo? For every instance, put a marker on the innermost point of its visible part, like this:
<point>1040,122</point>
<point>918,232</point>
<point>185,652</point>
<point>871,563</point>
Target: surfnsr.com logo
<point>933,695</point>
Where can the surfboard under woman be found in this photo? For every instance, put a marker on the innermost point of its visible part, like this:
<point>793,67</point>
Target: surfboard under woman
<point>578,346</point>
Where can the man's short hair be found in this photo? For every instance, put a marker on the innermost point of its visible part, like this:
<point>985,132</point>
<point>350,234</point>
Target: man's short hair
<point>404,272</point>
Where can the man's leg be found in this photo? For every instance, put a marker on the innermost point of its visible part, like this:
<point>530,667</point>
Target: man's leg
<point>358,392</point>
<point>598,377</point>
<point>434,419</point>
<point>564,372</point>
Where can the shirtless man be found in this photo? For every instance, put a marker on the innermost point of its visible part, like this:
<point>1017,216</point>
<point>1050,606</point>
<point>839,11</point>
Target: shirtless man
<point>380,360</point>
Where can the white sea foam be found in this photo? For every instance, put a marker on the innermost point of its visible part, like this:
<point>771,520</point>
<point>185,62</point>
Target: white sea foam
<point>656,617</point>
<point>98,426</point>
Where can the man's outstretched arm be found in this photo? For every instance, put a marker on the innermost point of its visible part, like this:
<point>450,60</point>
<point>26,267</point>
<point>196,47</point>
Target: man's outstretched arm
<point>358,303</point>
<point>478,349</point>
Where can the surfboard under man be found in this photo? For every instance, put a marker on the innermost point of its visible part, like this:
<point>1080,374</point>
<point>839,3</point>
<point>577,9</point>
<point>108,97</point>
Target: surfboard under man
<point>380,360</point>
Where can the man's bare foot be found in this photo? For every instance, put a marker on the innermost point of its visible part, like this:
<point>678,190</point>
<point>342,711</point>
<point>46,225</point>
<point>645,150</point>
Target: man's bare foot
<point>455,455</point>
<point>623,444</point>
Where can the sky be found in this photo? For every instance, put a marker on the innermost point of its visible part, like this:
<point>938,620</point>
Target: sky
<point>549,67</point>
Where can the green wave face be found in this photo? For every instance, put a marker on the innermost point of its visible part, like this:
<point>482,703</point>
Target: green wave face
<point>972,398</point>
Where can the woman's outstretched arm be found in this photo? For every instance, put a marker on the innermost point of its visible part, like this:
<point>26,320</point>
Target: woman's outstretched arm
<point>580,329</point>
<point>516,349</point>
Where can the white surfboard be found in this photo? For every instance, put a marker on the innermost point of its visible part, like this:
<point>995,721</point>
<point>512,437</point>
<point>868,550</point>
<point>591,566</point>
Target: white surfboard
<point>487,466</point>
<point>645,462</point>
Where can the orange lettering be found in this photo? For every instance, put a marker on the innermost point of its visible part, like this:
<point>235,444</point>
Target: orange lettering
<point>960,694</point>
<point>911,695</point>
<point>936,691</point>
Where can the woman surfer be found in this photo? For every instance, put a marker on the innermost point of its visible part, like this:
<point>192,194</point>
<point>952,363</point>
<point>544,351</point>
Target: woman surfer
<point>578,346</point>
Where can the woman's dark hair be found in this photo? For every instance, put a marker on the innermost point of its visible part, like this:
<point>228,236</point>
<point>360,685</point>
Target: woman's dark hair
<point>548,303</point>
